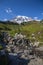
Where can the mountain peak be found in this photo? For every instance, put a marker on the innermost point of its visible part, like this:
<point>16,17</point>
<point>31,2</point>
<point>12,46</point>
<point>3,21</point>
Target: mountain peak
<point>20,19</point>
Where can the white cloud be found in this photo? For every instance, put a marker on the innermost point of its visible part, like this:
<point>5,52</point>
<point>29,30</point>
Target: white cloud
<point>9,10</point>
<point>5,19</point>
<point>35,18</point>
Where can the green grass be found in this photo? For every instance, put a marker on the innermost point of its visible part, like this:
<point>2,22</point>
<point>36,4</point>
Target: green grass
<point>26,29</point>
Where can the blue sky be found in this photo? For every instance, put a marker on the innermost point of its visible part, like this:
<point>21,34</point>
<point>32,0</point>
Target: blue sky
<point>11,8</point>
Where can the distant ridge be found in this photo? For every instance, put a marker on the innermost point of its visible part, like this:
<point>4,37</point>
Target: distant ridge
<point>20,19</point>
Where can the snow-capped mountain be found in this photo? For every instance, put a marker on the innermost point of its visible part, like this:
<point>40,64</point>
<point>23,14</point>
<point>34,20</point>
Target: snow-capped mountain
<point>20,19</point>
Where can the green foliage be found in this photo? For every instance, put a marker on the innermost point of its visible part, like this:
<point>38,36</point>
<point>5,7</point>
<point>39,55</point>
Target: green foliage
<point>41,44</point>
<point>1,47</point>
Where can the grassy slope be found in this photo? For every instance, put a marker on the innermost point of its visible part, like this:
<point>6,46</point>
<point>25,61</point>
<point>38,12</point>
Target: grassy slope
<point>25,29</point>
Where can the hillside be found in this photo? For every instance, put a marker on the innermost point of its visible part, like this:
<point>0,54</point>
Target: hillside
<point>29,29</point>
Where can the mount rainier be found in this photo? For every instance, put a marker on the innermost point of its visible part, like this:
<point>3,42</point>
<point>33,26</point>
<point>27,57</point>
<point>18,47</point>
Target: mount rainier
<point>20,19</point>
